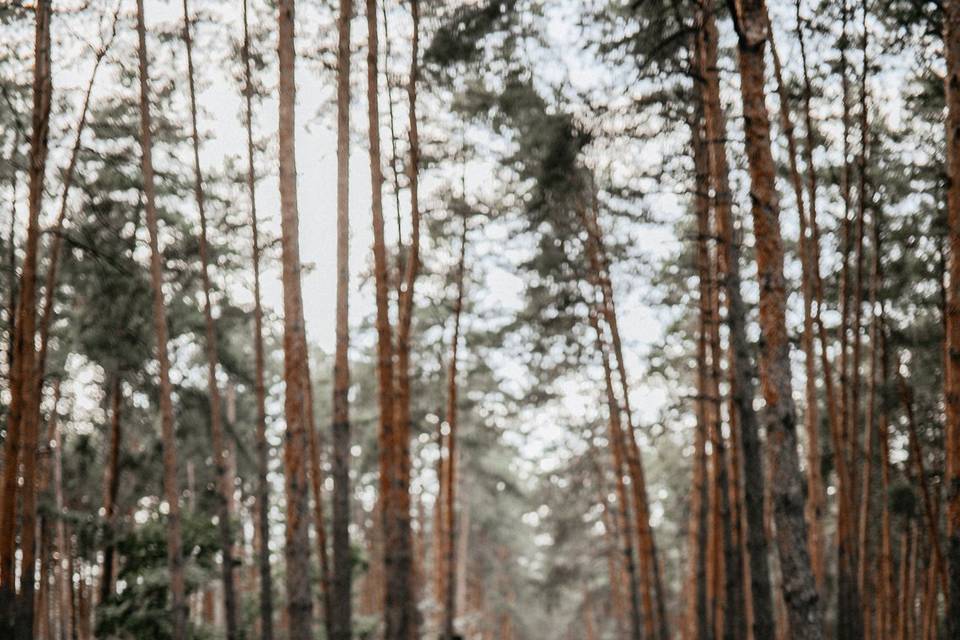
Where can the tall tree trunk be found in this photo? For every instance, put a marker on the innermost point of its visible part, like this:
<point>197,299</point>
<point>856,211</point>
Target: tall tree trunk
<point>22,426</point>
<point>952,47</point>
<point>800,593</point>
<point>263,486</point>
<point>655,621</point>
<point>26,357</point>
<point>400,504</point>
<point>814,506</point>
<point>398,605</point>
<point>847,598</point>
<point>295,372</point>
<point>698,622</point>
<point>742,369</point>
<point>64,579</point>
<point>342,600</point>
<point>876,422</point>
<point>450,602</point>
<point>319,521</point>
<point>220,450</point>
<point>620,467</point>
<point>168,433</point>
<point>111,488</point>
<point>931,509</point>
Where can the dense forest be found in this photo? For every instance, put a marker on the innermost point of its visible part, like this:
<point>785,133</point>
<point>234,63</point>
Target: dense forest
<point>566,319</point>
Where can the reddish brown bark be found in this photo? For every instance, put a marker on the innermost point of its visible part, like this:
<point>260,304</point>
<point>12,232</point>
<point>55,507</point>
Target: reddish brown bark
<point>931,508</point>
<point>25,361</point>
<point>111,487</point>
<point>263,486</point>
<point>698,620</point>
<point>342,569</point>
<point>450,602</point>
<point>745,444</point>
<point>951,40</point>
<point>400,543</point>
<point>616,436</point>
<point>220,450</point>
<point>800,593</point>
<point>654,619</point>
<point>295,371</point>
<point>814,506</point>
<point>398,604</point>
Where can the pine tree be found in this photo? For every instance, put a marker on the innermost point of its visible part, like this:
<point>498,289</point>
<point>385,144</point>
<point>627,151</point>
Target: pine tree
<point>178,603</point>
<point>220,450</point>
<point>295,372</point>
<point>803,606</point>
<point>263,487</point>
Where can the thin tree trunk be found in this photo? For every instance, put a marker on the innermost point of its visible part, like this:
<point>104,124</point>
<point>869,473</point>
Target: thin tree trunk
<point>11,275</point>
<point>394,153</point>
<point>847,598</point>
<point>450,604</point>
<point>800,593</point>
<point>742,369</point>
<point>877,422</point>
<point>168,433</point>
<point>342,599</point>
<point>319,521</point>
<point>299,600</point>
<point>931,510</point>
<point>614,571</point>
<point>887,593</point>
<point>698,623</point>
<point>440,538</point>
<point>64,579</point>
<point>654,619</point>
<point>400,579</point>
<point>951,40</point>
<point>42,619</point>
<point>263,486</point>
<point>398,606</point>
<point>620,465</point>
<point>111,488</point>
<point>220,451</point>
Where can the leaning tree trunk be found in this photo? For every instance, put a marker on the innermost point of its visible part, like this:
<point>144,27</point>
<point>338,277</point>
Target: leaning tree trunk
<point>263,486</point>
<point>168,433</point>
<point>342,600</point>
<point>450,470</point>
<point>220,450</point>
<point>741,366</point>
<point>299,600</point>
<point>800,593</point>
<point>655,621</point>
<point>620,467</point>
<point>952,46</point>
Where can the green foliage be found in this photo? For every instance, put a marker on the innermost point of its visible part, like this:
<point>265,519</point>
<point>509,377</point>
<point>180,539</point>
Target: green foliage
<point>141,608</point>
